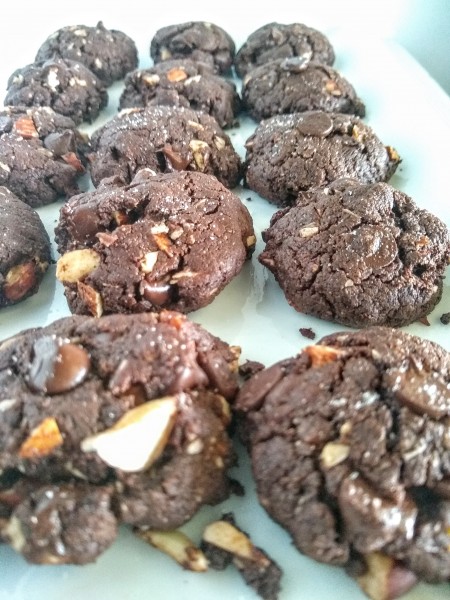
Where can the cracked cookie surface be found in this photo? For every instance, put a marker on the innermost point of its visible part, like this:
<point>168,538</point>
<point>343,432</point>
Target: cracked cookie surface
<point>109,54</point>
<point>350,448</point>
<point>107,421</point>
<point>163,241</point>
<point>68,87</point>
<point>358,254</point>
<point>164,139</point>
<point>275,40</point>
<point>291,153</point>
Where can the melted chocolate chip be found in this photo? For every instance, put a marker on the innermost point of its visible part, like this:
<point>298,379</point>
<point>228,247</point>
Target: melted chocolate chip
<point>61,143</point>
<point>219,373</point>
<point>156,293</point>
<point>318,124</point>
<point>376,246</point>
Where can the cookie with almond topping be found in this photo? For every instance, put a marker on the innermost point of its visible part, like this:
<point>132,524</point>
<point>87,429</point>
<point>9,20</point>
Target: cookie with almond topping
<point>358,254</point>
<point>164,139</point>
<point>350,451</point>
<point>163,241</point>
<point>25,252</point>
<point>42,154</point>
<point>119,420</point>
<point>110,54</point>
<point>183,83</point>
<point>68,87</point>
<point>291,153</point>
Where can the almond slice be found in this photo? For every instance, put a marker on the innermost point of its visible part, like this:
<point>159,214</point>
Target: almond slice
<point>178,546</point>
<point>320,355</point>
<point>76,265</point>
<point>138,438</point>
<point>42,440</point>
<point>228,537</point>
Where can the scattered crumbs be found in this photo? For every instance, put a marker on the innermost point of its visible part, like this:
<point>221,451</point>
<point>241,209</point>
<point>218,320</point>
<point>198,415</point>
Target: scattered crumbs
<point>307,332</point>
<point>249,199</point>
<point>445,318</point>
<point>249,368</point>
<point>424,321</point>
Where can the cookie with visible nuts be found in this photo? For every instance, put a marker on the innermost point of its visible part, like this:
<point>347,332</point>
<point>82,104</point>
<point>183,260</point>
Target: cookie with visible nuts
<point>291,85</point>
<point>164,139</point>
<point>108,53</point>
<point>41,154</point>
<point>203,42</point>
<point>127,414</point>
<point>288,154</point>
<point>68,87</point>
<point>358,255</point>
<point>275,40</point>
<point>350,451</point>
<point>163,241</point>
<point>25,252</point>
<point>183,83</point>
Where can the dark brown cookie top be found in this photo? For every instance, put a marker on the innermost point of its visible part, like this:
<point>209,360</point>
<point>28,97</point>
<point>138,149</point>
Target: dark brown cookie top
<point>163,241</point>
<point>358,254</point>
<point>41,154</point>
<point>275,40</point>
<point>108,53</point>
<point>295,84</point>
<point>201,41</point>
<point>350,448</point>
<point>24,249</point>
<point>132,402</point>
<point>185,83</point>
<point>288,154</point>
<point>164,139</point>
<point>68,87</point>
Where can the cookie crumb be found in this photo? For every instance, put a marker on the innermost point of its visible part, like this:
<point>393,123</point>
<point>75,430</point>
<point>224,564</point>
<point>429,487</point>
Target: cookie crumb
<point>250,368</point>
<point>445,318</point>
<point>424,321</point>
<point>307,332</point>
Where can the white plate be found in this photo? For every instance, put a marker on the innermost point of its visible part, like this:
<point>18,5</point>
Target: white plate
<point>408,111</point>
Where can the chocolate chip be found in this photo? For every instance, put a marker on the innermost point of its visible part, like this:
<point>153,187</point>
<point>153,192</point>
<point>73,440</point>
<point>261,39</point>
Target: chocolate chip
<point>258,386</point>
<point>61,143</point>
<point>219,373</point>
<point>156,293</point>
<point>174,159</point>
<point>375,245</point>
<point>318,124</point>
<point>57,367</point>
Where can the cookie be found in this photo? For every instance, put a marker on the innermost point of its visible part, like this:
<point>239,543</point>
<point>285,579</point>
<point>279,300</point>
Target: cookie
<point>183,83</point>
<point>116,420</point>
<point>164,139</point>
<point>109,54</point>
<point>358,254</point>
<point>275,40</point>
<point>41,154</point>
<point>201,41</point>
<point>350,450</point>
<point>295,84</point>
<point>24,249</point>
<point>68,87</point>
<point>288,154</point>
<point>164,241</point>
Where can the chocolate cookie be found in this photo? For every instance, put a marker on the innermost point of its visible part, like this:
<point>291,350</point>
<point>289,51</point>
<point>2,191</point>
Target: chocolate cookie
<point>41,154</point>
<point>68,87</point>
<point>274,41</point>
<point>358,255</point>
<point>183,83</point>
<point>291,153</point>
<point>172,241</point>
<point>350,450</point>
<point>295,84</point>
<point>109,54</point>
<point>164,139</point>
<point>24,249</point>
<point>203,42</point>
<point>115,420</point>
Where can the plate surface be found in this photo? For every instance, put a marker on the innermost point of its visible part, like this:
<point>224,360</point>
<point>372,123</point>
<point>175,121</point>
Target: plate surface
<point>408,111</point>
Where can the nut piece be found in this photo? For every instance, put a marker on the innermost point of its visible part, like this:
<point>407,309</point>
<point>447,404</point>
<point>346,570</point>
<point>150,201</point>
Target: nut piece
<point>178,546</point>
<point>250,241</point>
<point>26,128</point>
<point>228,537</point>
<point>138,438</point>
<point>320,355</point>
<point>333,454</point>
<point>219,142</point>
<point>151,79</point>
<point>200,151</point>
<point>72,159</point>
<point>309,230</point>
<point>148,262</point>
<point>163,242</point>
<point>176,74</point>
<point>91,298</point>
<point>385,579</point>
<point>19,281</point>
<point>393,154</point>
<point>42,440</point>
<point>76,265</point>
<point>332,88</point>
